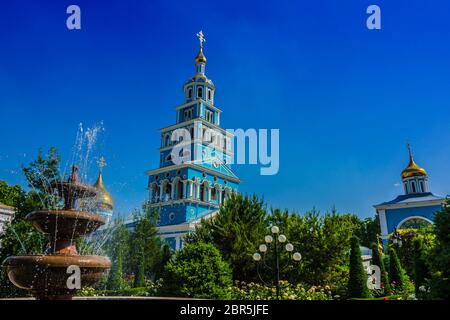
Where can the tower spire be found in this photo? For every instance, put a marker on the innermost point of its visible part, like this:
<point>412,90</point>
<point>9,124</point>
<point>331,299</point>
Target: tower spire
<point>200,59</point>
<point>411,159</point>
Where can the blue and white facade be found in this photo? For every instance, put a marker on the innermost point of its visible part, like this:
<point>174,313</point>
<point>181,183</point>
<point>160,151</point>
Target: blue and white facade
<point>194,176</point>
<point>416,206</point>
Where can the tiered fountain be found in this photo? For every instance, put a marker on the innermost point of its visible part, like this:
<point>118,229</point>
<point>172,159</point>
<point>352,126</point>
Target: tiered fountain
<point>46,275</point>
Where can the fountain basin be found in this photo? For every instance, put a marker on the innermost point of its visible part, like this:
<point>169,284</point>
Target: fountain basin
<point>46,275</point>
<point>65,224</point>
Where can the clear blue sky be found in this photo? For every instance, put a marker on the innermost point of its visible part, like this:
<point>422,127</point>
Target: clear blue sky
<point>346,99</point>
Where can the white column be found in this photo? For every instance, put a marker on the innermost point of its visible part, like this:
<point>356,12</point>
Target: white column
<point>219,196</point>
<point>191,189</point>
<point>383,224</point>
<point>209,194</point>
<point>197,196</point>
<point>161,190</point>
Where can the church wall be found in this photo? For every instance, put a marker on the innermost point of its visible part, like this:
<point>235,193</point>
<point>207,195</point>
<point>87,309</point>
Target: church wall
<point>395,216</point>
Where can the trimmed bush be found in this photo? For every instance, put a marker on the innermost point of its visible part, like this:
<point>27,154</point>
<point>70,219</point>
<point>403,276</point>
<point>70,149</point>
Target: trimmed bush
<point>357,283</point>
<point>198,271</point>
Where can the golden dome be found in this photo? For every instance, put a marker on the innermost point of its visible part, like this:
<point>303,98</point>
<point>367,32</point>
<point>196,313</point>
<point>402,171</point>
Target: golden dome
<point>104,197</point>
<point>200,58</point>
<point>413,170</point>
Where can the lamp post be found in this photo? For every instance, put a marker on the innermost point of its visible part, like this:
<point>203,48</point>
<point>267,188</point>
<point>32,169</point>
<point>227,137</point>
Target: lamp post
<point>276,240</point>
<point>396,238</point>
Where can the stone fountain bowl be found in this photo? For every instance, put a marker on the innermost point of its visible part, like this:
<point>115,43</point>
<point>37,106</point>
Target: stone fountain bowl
<point>46,275</point>
<point>77,190</point>
<point>65,224</point>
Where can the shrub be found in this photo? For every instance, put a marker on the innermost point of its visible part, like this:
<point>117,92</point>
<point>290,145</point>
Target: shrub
<point>357,283</point>
<point>256,291</point>
<point>197,271</point>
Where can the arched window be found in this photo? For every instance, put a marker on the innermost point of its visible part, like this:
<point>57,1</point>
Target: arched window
<point>213,194</point>
<point>200,92</point>
<point>413,185</point>
<point>167,141</point>
<point>422,189</point>
<point>179,190</point>
<point>202,192</point>
<point>192,134</point>
<point>190,93</point>
<point>209,95</point>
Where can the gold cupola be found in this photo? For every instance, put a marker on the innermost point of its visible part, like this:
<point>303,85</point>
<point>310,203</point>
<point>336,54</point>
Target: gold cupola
<point>413,170</point>
<point>200,58</point>
<point>105,201</point>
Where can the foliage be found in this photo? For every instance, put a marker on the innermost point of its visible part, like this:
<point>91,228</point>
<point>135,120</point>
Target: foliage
<point>256,291</point>
<point>357,283</point>
<point>400,282</point>
<point>369,229</point>
<point>377,260</point>
<point>323,240</point>
<point>406,251</point>
<point>147,253</point>
<point>149,290</point>
<point>440,282</point>
<point>41,173</point>
<point>240,224</point>
<point>198,271</point>
<point>421,268</point>
<point>20,237</point>
<point>117,251</point>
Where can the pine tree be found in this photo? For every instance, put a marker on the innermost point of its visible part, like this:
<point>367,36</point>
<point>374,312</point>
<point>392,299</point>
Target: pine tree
<point>115,277</point>
<point>396,273</point>
<point>378,261</point>
<point>117,250</point>
<point>357,283</point>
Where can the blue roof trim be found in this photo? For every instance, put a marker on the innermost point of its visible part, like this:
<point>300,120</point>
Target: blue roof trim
<point>428,196</point>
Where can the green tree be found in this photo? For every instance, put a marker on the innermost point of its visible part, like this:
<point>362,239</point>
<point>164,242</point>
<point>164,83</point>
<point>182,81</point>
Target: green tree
<point>440,284</point>
<point>377,260</point>
<point>369,229</point>
<point>323,240</point>
<point>117,250</point>
<point>240,224</point>
<point>421,269</point>
<point>357,283</point>
<point>41,173</point>
<point>397,274</point>
<point>198,271</point>
<point>147,250</point>
<point>20,237</point>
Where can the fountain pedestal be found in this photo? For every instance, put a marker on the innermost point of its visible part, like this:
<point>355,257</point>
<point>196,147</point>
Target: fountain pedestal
<point>46,275</point>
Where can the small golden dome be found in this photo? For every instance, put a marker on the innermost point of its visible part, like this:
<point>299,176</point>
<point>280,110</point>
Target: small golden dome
<point>105,199</point>
<point>200,58</point>
<point>413,170</point>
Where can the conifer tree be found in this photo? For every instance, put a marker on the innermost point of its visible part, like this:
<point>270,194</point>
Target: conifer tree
<point>357,283</point>
<point>378,261</point>
<point>397,274</point>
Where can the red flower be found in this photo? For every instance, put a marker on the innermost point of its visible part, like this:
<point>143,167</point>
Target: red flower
<point>386,298</point>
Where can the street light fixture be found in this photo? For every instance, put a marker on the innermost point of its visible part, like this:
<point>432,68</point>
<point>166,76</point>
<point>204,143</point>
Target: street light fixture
<point>275,241</point>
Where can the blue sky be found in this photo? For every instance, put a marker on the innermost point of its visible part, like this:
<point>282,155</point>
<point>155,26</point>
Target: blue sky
<point>346,99</point>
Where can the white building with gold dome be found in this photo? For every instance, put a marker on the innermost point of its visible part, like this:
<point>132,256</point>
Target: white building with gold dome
<point>415,207</point>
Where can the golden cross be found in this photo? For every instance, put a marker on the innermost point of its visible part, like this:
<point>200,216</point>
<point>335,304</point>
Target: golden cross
<point>101,163</point>
<point>201,37</point>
